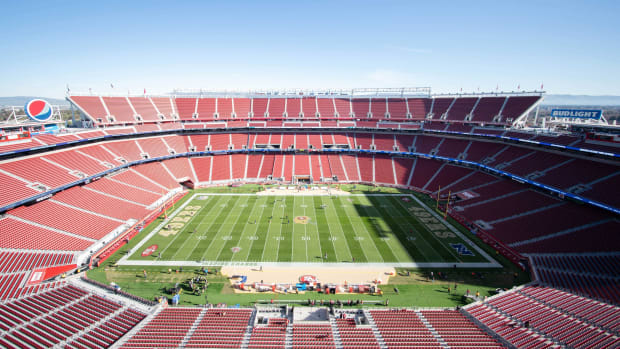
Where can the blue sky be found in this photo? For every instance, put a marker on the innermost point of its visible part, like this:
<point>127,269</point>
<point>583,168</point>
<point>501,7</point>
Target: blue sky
<point>571,47</point>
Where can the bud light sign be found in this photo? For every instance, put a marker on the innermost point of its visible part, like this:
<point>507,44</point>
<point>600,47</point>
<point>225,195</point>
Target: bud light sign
<point>38,110</point>
<point>576,114</point>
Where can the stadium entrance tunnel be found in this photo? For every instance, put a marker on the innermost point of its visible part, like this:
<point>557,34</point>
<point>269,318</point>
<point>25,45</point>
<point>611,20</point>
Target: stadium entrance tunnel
<point>306,179</point>
<point>188,184</point>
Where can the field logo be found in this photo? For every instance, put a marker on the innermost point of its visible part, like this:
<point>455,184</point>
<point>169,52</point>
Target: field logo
<point>235,249</point>
<point>149,250</point>
<point>302,219</point>
<point>462,250</point>
<point>38,110</point>
<point>308,279</point>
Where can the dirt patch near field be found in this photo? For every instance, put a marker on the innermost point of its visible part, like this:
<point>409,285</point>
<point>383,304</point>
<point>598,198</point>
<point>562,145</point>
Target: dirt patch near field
<point>290,275</point>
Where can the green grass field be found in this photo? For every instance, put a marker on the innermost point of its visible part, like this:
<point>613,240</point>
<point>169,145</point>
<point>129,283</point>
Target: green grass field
<point>219,228</point>
<point>364,217</point>
<point>413,290</point>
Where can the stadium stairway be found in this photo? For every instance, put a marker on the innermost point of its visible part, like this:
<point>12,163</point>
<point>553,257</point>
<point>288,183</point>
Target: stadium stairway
<point>375,329</point>
<point>193,328</point>
<point>484,327</point>
<point>516,335</point>
<point>83,335</point>
<point>335,332</point>
<point>288,343</point>
<point>431,329</point>
<point>248,331</point>
<point>129,334</point>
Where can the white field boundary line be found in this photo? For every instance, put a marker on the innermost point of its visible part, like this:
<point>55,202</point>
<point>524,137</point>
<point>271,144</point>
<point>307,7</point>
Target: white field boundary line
<point>156,230</point>
<point>125,259</point>
<point>458,233</point>
<point>291,194</point>
<point>303,264</point>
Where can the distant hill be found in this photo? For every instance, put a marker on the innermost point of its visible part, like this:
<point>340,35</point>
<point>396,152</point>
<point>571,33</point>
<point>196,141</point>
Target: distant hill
<point>581,100</point>
<point>22,100</point>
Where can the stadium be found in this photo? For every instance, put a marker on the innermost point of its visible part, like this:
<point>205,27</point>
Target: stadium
<point>308,218</point>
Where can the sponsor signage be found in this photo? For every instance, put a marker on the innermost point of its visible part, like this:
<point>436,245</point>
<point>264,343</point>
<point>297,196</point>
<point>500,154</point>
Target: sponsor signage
<point>38,110</point>
<point>577,113</point>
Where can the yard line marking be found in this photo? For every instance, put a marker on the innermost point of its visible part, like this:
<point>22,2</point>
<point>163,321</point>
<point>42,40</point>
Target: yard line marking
<point>409,237</point>
<point>197,214</point>
<point>245,227</point>
<point>355,233</point>
<point>369,237</point>
<point>332,236</point>
<point>225,226</point>
<point>255,231</point>
<point>215,236</point>
<point>392,240</point>
<point>377,225</point>
<point>204,234</point>
<point>262,258</point>
<point>231,232</point>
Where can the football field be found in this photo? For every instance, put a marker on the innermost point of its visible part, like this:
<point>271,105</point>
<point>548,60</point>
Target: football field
<point>225,229</point>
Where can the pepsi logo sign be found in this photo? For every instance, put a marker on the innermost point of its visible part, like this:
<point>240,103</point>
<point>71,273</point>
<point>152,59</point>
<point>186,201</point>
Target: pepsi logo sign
<point>38,110</point>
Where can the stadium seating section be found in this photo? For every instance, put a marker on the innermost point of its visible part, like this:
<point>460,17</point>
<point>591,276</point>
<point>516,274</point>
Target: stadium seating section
<point>505,209</point>
<point>233,328</point>
<point>541,317</point>
<point>123,110</point>
<point>67,315</point>
<point>532,316</point>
